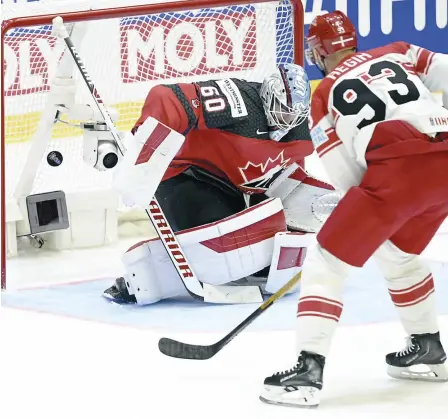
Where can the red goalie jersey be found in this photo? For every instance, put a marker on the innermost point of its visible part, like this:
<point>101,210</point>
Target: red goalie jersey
<point>226,132</point>
<point>374,109</point>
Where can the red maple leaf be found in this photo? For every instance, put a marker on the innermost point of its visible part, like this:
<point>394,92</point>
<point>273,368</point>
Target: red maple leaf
<point>253,171</point>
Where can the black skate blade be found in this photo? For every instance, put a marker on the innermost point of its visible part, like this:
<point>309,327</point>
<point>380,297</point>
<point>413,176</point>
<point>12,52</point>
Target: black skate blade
<point>182,350</point>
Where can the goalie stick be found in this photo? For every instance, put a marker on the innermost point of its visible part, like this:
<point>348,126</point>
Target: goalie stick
<point>176,349</point>
<point>190,280</point>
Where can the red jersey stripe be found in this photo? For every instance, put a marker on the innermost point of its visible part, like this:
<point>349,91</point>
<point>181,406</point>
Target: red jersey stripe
<point>422,60</point>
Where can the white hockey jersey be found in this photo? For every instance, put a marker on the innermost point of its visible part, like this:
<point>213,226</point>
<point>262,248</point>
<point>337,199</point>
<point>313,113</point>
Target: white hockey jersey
<point>395,82</point>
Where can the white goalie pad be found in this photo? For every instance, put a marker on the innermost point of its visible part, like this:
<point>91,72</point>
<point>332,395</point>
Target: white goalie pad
<point>287,259</point>
<point>145,162</point>
<point>219,253</point>
<point>307,201</point>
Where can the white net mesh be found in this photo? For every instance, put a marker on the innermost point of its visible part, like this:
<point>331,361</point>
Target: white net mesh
<point>125,57</point>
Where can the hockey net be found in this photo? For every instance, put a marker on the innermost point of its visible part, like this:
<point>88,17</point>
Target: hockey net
<point>126,50</point>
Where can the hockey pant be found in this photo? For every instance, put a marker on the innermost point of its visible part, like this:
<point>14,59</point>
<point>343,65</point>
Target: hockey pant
<point>195,198</point>
<point>393,214</point>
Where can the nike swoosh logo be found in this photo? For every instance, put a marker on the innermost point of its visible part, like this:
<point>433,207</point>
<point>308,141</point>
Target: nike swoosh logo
<point>261,132</point>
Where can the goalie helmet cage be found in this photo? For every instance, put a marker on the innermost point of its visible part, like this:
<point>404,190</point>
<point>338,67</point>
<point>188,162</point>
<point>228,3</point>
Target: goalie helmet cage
<point>126,50</point>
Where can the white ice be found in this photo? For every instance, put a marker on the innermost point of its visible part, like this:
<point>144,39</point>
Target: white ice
<point>55,367</point>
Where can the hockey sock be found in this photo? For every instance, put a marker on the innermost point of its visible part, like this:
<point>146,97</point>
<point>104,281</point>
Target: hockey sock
<point>320,303</point>
<point>414,298</point>
<point>411,287</point>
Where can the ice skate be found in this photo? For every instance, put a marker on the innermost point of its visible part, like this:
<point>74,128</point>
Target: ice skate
<point>297,387</point>
<point>118,293</point>
<point>422,359</point>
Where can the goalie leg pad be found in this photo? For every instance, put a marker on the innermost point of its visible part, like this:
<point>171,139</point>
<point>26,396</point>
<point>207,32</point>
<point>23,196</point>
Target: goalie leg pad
<point>144,282</point>
<point>287,259</point>
<point>219,253</point>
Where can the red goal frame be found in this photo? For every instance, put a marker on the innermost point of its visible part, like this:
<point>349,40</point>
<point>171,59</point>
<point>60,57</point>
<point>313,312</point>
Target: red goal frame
<point>117,12</point>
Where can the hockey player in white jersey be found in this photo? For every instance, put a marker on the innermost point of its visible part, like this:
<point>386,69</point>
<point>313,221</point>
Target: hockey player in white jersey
<point>383,139</point>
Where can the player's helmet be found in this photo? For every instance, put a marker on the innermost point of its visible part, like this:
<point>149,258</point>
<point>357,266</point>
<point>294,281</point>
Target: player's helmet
<point>330,33</point>
<point>286,97</point>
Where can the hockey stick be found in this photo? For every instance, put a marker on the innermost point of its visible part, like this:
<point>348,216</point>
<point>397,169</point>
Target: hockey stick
<point>183,268</point>
<point>176,349</point>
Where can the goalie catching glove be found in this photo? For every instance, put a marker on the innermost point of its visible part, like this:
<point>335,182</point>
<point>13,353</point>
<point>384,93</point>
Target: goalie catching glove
<point>307,201</point>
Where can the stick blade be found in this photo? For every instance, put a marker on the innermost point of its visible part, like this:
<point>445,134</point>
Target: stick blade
<point>182,350</point>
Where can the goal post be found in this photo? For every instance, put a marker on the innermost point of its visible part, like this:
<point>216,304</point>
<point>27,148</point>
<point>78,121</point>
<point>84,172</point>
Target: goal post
<point>127,49</point>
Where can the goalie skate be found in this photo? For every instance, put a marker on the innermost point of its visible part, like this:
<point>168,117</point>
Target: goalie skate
<point>118,293</point>
<point>297,387</point>
<point>422,359</point>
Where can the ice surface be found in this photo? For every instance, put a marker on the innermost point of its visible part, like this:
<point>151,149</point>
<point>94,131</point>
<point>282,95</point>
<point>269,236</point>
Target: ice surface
<point>55,367</point>
<point>60,367</point>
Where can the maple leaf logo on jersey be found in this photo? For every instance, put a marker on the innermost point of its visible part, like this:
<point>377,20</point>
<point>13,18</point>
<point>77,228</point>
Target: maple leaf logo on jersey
<point>258,177</point>
<point>195,102</point>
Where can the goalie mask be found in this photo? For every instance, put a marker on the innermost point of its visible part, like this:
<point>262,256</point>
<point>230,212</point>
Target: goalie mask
<point>286,97</point>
